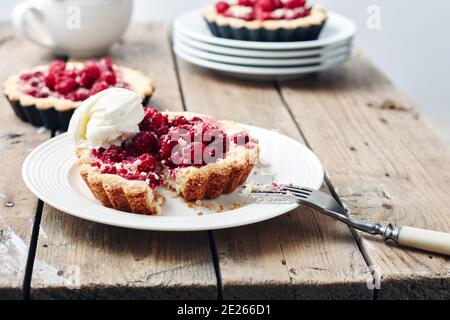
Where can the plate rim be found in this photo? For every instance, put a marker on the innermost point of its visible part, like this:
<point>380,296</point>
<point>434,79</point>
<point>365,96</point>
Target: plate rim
<point>173,227</point>
<point>260,62</point>
<point>265,45</point>
<point>262,54</point>
<point>257,71</point>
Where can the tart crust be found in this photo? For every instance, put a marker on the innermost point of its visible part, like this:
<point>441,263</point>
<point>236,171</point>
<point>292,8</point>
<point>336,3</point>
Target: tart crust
<point>116,192</point>
<point>192,183</point>
<point>305,28</point>
<point>55,113</point>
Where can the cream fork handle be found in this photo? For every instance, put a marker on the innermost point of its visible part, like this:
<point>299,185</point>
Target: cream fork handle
<point>433,241</point>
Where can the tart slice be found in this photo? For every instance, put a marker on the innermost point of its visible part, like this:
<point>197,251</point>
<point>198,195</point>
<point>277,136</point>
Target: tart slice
<point>207,157</point>
<point>48,95</point>
<point>265,20</point>
<point>127,152</point>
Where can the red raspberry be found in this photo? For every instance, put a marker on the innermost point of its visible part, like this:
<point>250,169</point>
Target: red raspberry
<point>113,154</point>
<point>26,76</point>
<point>249,17</point>
<point>292,4</point>
<point>148,163</point>
<point>108,169</point>
<point>278,3</point>
<point>57,66</point>
<point>145,142</point>
<point>50,81</point>
<point>196,119</point>
<point>263,15</point>
<point>89,74</point>
<point>179,121</point>
<point>247,3</point>
<point>155,121</point>
<point>32,92</point>
<point>81,94</point>
<point>98,86</point>
<point>66,85</point>
<point>165,147</point>
<point>222,7</point>
<point>110,77</point>
<point>265,5</point>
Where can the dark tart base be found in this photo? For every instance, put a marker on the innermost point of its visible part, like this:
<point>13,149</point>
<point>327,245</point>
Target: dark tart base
<point>50,118</point>
<point>266,35</point>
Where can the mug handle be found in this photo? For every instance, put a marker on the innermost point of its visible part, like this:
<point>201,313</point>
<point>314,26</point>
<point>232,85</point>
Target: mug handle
<point>25,13</point>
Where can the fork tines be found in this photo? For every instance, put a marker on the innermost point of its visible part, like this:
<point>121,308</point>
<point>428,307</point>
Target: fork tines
<point>275,193</point>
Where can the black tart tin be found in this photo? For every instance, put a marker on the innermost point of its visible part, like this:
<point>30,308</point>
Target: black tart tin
<point>50,118</point>
<point>266,35</point>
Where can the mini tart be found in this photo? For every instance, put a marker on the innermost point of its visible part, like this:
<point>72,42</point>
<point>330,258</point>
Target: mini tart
<point>207,181</point>
<point>283,30</point>
<point>55,112</point>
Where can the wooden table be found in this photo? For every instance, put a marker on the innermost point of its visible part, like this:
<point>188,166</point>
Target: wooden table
<point>383,161</point>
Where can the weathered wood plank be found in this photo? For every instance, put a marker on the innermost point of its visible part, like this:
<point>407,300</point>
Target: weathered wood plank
<point>385,163</point>
<point>17,204</point>
<point>108,262</point>
<point>299,255</point>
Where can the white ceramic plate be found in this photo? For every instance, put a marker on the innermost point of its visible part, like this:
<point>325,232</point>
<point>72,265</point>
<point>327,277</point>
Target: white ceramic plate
<point>262,73</point>
<point>264,62</point>
<point>270,54</point>
<point>51,173</point>
<point>337,29</point>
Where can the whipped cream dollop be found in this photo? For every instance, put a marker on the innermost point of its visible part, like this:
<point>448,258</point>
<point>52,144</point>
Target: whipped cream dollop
<point>109,117</point>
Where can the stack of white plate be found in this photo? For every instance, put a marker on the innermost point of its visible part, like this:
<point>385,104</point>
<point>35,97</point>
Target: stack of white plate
<point>194,43</point>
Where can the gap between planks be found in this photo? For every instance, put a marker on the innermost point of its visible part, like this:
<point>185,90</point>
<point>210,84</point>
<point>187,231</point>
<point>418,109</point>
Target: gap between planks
<point>31,257</point>
<point>211,238</point>
<point>331,188</point>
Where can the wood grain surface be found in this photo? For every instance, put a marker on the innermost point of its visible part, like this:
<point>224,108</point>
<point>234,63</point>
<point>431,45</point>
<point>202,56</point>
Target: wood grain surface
<point>385,162</point>
<point>17,139</point>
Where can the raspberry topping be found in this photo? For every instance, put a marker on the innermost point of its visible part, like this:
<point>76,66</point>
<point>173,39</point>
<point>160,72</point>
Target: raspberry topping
<point>222,7</point>
<point>72,84</point>
<point>174,143</point>
<point>264,9</point>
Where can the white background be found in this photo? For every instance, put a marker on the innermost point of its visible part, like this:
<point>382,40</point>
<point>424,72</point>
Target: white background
<point>412,48</point>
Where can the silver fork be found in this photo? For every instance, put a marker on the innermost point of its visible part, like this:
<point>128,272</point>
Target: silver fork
<point>428,240</point>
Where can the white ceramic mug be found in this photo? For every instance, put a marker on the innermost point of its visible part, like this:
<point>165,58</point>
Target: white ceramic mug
<point>77,28</point>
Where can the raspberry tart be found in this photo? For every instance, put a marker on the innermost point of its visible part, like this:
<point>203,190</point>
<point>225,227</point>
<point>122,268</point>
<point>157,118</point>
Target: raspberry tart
<point>265,20</point>
<point>48,95</point>
<point>126,153</point>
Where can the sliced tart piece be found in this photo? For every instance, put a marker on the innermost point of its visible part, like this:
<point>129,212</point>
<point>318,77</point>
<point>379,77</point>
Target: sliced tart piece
<point>194,177</point>
<point>265,20</point>
<point>125,184</point>
<point>48,95</point>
